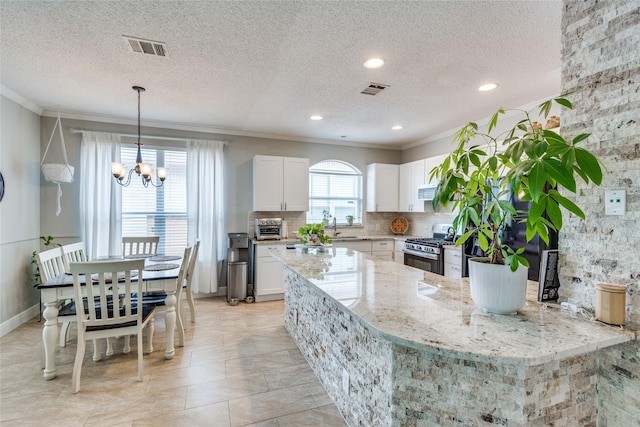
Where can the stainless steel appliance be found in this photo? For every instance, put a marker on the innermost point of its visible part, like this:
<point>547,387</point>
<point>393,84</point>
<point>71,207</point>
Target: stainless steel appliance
<point>427,253</point>
<point>268,228</point>
<point>237,267</point>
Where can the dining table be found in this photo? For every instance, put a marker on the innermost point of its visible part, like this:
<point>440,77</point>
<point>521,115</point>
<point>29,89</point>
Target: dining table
<point>159,275</point>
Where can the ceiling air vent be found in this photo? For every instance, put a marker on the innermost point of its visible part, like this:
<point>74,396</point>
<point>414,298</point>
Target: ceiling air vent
<point>374,89</point>
<point>149,47</point>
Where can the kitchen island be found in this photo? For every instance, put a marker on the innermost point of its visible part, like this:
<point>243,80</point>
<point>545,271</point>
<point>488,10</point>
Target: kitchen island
<point>394,345</point>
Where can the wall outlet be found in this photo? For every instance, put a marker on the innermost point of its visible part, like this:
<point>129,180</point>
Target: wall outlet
<point>615,202</point>
<point>345,381</point>
<point>377,227</point>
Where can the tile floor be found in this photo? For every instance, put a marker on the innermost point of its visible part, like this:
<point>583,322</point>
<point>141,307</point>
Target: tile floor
<point>239,367</point>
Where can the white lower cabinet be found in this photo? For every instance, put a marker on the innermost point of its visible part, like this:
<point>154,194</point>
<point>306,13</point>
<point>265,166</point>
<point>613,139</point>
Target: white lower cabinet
<point>269,274</point>
<point>398,251</point>
<point>453,262</point>
<point>382,249</point>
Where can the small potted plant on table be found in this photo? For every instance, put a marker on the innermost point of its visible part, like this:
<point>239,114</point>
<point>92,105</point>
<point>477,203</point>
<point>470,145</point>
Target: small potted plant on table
<point>479,180</point>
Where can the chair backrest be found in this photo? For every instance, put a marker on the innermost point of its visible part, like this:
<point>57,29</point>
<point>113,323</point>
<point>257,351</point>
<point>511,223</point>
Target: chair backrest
<point>193,260</point>
<point>113,304</point>
<point>182,274</point>
<point>50,264</point>
<point>74,252</point>
<point>132,246</point>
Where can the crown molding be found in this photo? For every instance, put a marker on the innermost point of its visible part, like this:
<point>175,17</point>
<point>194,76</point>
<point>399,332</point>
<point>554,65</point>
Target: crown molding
<point>20,100</point>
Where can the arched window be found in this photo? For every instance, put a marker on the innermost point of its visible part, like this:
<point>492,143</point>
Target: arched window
<point>335,188</point>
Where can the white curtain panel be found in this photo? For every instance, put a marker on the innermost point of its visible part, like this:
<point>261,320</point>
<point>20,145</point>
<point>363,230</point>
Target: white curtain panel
<point>204,210</point>
<point>100,196</point>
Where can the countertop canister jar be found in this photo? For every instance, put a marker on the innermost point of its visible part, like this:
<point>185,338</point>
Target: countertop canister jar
<point>611,303</point>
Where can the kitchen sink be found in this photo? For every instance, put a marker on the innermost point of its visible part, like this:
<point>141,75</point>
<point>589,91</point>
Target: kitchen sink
<point>346,237</point>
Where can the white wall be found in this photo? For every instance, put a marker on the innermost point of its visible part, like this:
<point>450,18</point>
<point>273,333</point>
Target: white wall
<point>19,212</point>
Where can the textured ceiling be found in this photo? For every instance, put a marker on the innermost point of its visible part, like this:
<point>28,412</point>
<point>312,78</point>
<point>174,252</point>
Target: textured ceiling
<point>263,67</point>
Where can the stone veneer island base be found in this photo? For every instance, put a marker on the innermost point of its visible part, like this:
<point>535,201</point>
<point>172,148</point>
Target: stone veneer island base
<point>396,346</point>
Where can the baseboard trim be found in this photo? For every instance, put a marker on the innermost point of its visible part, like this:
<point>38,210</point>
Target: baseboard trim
<point>19,319</point>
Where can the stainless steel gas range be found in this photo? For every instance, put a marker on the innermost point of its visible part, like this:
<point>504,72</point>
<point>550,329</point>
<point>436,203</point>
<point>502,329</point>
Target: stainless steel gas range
<point>427,253</point>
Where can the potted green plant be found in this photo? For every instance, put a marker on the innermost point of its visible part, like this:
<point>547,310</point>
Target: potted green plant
<point>46,241</point>
<point>313,235</point>
<point>537,165</point>
<point>325,217</point>
<point>350,219</point>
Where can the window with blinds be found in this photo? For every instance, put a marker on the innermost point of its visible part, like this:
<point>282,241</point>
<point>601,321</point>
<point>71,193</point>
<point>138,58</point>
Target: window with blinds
<point>157,211</point>
<point>334,187</point>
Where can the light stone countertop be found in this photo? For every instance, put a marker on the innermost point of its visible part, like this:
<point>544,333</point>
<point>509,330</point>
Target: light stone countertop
<point>335,239</point>
<point>417,308</point>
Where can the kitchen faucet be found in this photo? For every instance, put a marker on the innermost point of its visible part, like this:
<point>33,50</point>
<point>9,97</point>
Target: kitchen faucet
<point>335,228</point>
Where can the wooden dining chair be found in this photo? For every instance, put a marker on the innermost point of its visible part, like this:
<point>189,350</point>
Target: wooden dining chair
<point>50,265</point>
<point>158,299</point>
<point>193,261</point>
<point>115,313</point>
<point>140,247</point>
<point>74,252</point>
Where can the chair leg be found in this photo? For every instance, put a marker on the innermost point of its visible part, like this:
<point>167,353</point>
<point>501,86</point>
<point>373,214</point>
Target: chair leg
<point>179,324</point>
<point>127,345</point>
<point>77,365</point>
<point>140,358</point>
<point>96,350</point>
<point>150,329</point>
<point>192,306</point>
<point>64,334</point>
<point>109,351</point>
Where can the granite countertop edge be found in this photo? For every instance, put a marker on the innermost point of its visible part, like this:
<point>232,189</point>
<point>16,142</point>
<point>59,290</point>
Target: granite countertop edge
<point>473,350</point>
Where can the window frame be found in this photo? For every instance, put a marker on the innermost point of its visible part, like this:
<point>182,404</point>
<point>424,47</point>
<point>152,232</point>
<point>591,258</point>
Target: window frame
<point>359,191</point>
<point>167,245</point>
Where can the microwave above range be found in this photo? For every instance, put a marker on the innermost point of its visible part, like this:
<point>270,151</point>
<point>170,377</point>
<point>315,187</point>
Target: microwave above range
<point>426,192</point>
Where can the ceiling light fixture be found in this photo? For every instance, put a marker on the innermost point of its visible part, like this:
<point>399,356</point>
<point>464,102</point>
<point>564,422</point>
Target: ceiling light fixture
<point>397,127</point>
<point>119,170</point>
<point>373,63</point>
<point>316,117</point>
<point>487,87</point>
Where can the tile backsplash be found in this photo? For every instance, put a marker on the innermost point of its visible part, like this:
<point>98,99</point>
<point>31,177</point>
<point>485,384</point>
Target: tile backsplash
<point>373,223</point>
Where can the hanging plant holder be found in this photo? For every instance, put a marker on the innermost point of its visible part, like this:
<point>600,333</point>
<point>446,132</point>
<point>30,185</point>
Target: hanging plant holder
<point>58,173</point>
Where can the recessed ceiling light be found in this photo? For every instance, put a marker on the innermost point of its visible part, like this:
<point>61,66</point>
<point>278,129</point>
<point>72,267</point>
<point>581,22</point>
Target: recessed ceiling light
<point>373,63</point>
<point>487,87</point>
<point>316,117</point>
<point>397,127</point>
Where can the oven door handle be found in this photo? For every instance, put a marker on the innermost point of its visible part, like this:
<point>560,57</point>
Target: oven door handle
<point>419,254</point>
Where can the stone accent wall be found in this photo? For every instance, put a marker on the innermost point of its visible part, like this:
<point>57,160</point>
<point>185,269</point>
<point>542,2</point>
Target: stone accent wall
<point>618,392</point>
<point>333,342</point>
<point>435,388</point>
<point>394,384</point>
<point>601,72</point>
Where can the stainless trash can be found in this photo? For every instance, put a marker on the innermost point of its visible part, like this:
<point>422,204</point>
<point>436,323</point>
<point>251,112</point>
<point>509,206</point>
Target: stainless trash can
<point>236,281</point>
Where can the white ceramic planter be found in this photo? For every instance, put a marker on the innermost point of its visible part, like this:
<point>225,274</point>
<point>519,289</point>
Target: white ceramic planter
<point>497,289</point>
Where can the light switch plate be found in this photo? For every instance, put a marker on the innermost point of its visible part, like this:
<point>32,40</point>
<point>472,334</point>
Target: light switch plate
<point>615,202</point>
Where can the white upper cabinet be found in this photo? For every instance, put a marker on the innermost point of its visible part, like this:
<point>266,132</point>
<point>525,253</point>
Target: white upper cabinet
<point>412,174</point>
<point>280,184</point>
<point>382,187</point>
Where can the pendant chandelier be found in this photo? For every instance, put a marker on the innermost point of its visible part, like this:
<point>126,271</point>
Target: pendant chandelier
<point>144,170</point>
